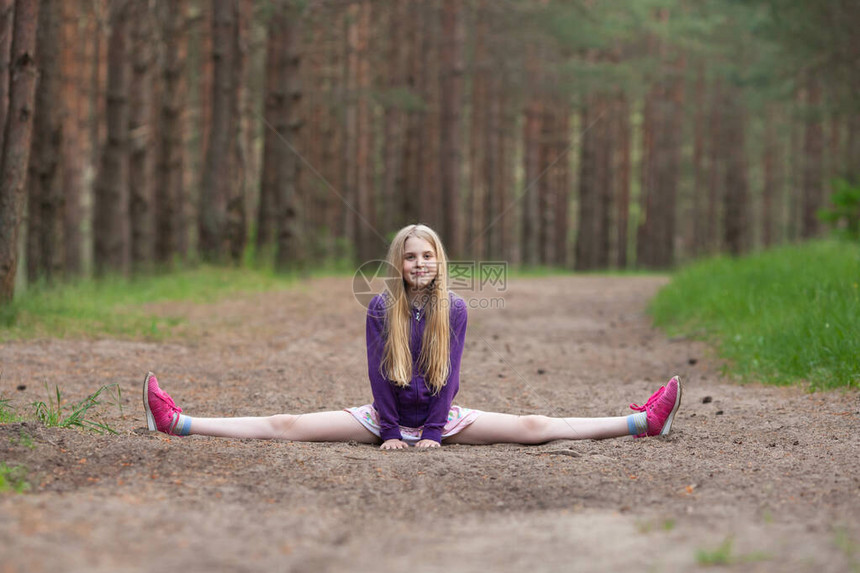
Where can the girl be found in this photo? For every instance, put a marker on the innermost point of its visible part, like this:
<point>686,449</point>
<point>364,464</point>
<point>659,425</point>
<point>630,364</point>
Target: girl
<point>415,336</point>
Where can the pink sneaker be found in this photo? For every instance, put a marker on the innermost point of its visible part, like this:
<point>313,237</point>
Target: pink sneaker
<point>162,413</point>
<point>660,408</point>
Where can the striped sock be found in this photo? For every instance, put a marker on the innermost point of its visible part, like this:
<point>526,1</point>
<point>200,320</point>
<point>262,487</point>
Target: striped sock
<point>637,423</point>
<point>181,425</point>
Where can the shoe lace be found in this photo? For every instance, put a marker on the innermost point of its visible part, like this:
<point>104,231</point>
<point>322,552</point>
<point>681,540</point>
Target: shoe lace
<point>167,399</point>
<point>651,401</point>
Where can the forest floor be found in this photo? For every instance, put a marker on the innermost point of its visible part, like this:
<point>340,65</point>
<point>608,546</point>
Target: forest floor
<point>752,477</point>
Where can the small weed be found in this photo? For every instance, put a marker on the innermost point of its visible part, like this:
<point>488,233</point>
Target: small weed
<point>13,479</point>
<point>644,526</point>
<point>722,555</point>
<point>8,414</point>
<point>52,415</point>
<point>667,524</point>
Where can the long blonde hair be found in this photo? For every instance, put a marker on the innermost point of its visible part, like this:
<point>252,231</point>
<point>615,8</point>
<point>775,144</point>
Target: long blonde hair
<point>434,360</point>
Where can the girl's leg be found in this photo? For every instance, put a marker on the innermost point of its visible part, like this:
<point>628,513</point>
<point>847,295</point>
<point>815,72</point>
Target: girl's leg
<point>164,415</point>
<point>653,419</point>
<point>494,428</point>
<point>338,426</point>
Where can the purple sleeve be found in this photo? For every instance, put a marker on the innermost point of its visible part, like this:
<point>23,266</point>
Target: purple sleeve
<point>383,392</point>
<point>440,404</point>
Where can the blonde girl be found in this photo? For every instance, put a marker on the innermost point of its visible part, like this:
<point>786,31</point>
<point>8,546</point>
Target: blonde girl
<point>415,336</point>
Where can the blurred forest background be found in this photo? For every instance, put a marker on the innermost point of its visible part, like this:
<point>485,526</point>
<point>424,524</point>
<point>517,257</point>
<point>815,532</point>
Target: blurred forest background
<point>144,135</point>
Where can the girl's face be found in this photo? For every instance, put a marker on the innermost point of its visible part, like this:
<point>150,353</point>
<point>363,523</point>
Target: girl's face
<point>419,263</point>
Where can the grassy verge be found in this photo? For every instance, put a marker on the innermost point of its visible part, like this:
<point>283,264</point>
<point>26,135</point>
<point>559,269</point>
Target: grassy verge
<point>781,316</point>
<point>116,306</point>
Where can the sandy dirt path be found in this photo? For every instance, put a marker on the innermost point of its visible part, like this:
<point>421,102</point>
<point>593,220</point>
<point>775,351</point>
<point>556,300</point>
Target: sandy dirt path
<point>770,474</point>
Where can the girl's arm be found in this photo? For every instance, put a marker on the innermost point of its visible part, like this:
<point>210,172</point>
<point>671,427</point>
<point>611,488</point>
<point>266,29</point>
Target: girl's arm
<point>383,391</point>
<point>440,405</point>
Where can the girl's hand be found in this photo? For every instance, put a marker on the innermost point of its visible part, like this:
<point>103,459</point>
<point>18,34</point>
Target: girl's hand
<point>393,445</point>
<point>428,444</point>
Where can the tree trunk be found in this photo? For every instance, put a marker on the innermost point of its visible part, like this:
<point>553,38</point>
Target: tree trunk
<point>622,181</point>
<point>429,197</point>
<point>366,232</point>
<point>497,220</point>
<point>603,182</point>
<point>111,225</point>
<point>7,18</point>
<point>661,163</point>
<point>562,182</point>
<point>414,139</point>
<point>478,150</point>
<point>248,112</point>
<point>736,206</point>
<point>398,57</point>
<point>272,140</point>
<point>644,233</point>
<point>795,171</point>
<point>218,174</point>
<point>350,132</point>
<point>674,124</point>
<point>813,143</point>
<point>236,222</point>
<point>502,236</point>
<point>45,253</point>
<point>852,150</point>
<point>531,156</point>
<point>236,229</point>
<point>545,187</point>
<point>289,243</point>
<point>699,239</point>
<point>451,153</point>
<point>16,140</point>
<point>834,152</point>
<point>769,213</point>
<point>333,137</point>
<point>589,216</point>
<point>170,195</point>
<point>140,130</point>
<point>75,149</point>
<point>715,169</point>
<point>92,122</point>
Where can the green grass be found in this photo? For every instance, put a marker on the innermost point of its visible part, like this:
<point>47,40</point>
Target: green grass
<point>13,478</point>
<point>721,555</point>
<point>8,414</point>
<point>116,306</point>
<point>782,316</point>
<point>53,415</point>
<point>724,555</point>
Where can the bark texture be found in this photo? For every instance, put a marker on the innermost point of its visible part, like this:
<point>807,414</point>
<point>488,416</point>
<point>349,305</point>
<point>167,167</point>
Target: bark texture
<point>17,133</point>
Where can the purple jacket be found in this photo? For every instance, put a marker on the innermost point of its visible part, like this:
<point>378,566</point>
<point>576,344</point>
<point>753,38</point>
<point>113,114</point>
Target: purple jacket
<point>415,405</point>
